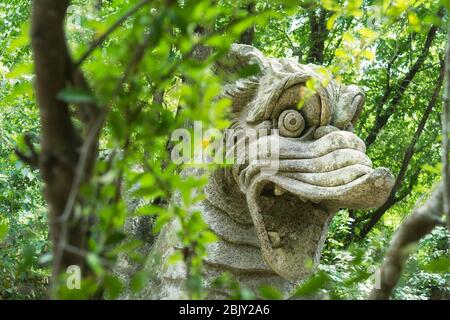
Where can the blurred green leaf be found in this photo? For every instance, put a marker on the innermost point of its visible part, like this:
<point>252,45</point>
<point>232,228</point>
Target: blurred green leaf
<point>440,265</point>
<point>74,95</point>
<point>3,230</point>
<point>139,280</point>
<point>270,293</point>
<point>113,286</point>
<point>94,263</point>
<point>312,285</point>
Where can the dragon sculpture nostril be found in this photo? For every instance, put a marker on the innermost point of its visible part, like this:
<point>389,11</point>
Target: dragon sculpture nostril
<point>270,225</point>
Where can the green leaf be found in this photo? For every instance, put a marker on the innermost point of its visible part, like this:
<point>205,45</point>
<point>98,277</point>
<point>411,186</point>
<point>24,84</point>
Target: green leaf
<point>194,283</point>
<point>139,280</point>
<point>74,95</point>
<point>441,265</point>
<point>446,4</point>
<point>20,70</point>
<point>243,25</point>
<point>413,18</point>
<point>125,247</point>
<point>113,286</point>
<point>45,258</point>
<point>369,55</point>
<point>208,237</point>
<point>331,21</point>
<point>359,277</point>
<point>312,285</point>
<point>161,220</point>
<point>222,281</point>
<point>270,293</point>
<point>150,210</point>
<point>218,41</point>
<point>28,257</point>
<point>94,263</point>
<point>368,34</point>
<point>432,19</point>
<point>249,70</point>
<point>246,294</point>
<point>175,257</point>
<point>3,230</point>
<point>21,40</point>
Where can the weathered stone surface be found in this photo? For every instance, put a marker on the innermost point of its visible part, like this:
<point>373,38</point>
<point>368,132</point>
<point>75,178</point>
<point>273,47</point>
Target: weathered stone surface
<point>236,257</point>
<point>272,226</point>
<point>226,228</point>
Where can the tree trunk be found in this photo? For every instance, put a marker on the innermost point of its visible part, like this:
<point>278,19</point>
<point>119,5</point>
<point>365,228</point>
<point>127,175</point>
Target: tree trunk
<point>60,141</point>
<point>318,35</point>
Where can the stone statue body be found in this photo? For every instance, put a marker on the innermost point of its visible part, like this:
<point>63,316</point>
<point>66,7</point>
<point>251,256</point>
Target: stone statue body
<point>271,226</point>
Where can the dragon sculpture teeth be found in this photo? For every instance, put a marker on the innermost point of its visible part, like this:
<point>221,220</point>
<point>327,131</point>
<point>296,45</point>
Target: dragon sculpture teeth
<point>270,226</point>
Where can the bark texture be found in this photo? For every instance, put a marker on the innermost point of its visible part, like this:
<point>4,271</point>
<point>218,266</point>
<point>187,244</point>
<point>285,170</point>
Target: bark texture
<point>65,160</point>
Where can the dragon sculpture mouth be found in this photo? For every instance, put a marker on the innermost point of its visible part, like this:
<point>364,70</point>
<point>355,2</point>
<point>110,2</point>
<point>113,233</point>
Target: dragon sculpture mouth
<point>322,165</point>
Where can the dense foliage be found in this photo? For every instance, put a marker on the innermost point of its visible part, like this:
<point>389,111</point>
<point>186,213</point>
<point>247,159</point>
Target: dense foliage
<point>148,77</point>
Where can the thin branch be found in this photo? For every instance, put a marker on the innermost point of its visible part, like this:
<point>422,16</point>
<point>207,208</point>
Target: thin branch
<point>421,222</point>
<point>94,132</point>
<point>84,253</point>
<point>424,218</point>
<point>382,117</point>
<point>86,112</point>
<point>97,42</point>
<point>332,49</point>
<point>407,191</point>
<point>135,60</point>
<point>445,140</point>
<point>409,153</point>
<point>387,90</point>
<point>89,149</point>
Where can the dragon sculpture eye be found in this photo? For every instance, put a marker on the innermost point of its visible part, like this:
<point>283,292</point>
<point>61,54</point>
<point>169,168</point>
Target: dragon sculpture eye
<point>291,123</point>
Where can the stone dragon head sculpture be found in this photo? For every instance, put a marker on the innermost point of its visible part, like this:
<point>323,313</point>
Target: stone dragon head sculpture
<point>270,226</point>
<point>322,164</point>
